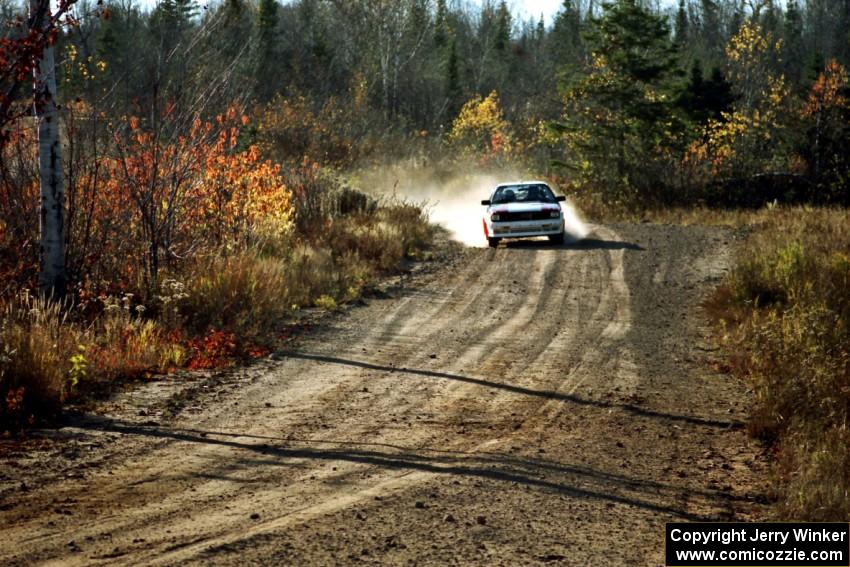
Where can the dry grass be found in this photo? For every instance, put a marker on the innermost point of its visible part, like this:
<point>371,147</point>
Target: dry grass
<point>208,313</point>
<point>394,232</point>
<point>594,207</point>
<point>785,311</point>
<point>247,294</point>
<point>123,344</point>
<point>36,344</point>
<point>48,358</point>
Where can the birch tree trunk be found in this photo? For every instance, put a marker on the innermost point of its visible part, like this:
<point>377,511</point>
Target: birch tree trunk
<point>52,277</point>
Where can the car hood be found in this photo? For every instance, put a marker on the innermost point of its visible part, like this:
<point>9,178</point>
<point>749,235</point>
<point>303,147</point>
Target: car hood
<point>523,207</point>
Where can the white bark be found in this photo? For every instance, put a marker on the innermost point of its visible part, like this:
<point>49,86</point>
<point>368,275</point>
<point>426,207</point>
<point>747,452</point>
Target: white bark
<point>52,221</point>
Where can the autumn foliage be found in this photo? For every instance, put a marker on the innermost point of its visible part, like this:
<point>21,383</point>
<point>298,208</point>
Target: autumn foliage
<point>20,50</point>
<point>481,132</point>
<point>184,251</point>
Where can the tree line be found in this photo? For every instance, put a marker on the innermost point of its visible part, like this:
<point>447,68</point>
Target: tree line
<point>417,61</point>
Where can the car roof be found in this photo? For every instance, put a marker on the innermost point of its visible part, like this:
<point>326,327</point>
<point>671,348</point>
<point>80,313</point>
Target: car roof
<point>532,182</point>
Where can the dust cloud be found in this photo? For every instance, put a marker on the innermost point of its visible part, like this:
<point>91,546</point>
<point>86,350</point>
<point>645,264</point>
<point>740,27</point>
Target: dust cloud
<point>453,199</point>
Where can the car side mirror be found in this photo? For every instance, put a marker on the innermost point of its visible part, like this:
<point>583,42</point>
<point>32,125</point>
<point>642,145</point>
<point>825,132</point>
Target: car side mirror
<point>486,202</point>
<point>560,198</point>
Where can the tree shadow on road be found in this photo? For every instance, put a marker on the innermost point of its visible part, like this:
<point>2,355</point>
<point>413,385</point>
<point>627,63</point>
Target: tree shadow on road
<point>547,394</point>
<point>572,481</point>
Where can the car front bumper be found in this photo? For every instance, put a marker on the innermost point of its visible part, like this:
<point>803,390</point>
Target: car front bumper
<point>520,229</point>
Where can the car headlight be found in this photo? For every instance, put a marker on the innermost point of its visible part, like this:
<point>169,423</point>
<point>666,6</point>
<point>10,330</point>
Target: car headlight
<point>495,217</point>
<point>554,214</point>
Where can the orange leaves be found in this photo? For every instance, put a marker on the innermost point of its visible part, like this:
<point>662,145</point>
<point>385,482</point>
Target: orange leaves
<point>181,194</point>
<point>828,91</point>
<point>241,195</point>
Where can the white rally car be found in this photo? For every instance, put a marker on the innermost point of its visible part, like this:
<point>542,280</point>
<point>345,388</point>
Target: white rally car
<point>523,209</point>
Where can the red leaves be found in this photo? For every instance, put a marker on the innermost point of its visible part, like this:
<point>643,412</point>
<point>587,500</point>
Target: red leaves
<point>216,349</point>
<point>19,57</point>
<point>256,351</point>
<point>15,399</point>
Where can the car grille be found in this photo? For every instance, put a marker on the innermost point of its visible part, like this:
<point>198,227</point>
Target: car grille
<point>524,229</point>
<point>524,216</point>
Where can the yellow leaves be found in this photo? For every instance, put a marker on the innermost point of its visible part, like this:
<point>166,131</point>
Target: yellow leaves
<point>750,54</point>
<point>745,141</point>
<point>727,143</point>
<point>598,62</point>
<point>750,42</point>
<point>777,92</point>
<point>481,127</point>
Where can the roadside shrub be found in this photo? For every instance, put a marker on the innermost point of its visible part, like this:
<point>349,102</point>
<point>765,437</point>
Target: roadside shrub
<point>786,311</point>
<point>480,131</point>
<point>818,478</point>
<point>312,272</point>
<point>46,357</point>
<point>213,306</point>
<point>122,343</point>
<point>326,302</point>
<point>383,239</point>
<point>246,294</point>
<point>36,344</point>
<point>319,197</point>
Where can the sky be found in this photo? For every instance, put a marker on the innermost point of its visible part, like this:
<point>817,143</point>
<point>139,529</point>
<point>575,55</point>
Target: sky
<point>528,8</point>
<point>534,8</point>
<point>523,8</point>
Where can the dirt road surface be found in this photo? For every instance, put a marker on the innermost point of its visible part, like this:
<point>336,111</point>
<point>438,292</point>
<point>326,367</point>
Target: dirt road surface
<point>520,406</point>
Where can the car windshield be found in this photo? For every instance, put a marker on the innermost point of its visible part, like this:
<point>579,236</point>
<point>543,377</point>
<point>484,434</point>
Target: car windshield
<point>533,193</point>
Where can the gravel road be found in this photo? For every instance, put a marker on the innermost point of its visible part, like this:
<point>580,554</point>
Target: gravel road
<point>526,405</point>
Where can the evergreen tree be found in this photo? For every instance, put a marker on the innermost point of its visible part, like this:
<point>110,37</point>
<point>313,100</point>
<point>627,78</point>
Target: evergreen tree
<point>635,42</point>
<point>452,88</point>
<point>540,32</point>
<point>441,24</point>
<point>842,52</point>
<point>236,26</point>
<point>770,18</point>
<point>792,34</point>
<point>737,20</point>
<point>814,69</point>
<point>719,97</point>
<point>265,47</point>
<point>705,99</point>
<point>711,29</point>
<point>502,39</point>
<point>682,26</point>
<point>624,106</point>
<point>565,38</point>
